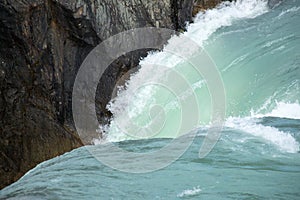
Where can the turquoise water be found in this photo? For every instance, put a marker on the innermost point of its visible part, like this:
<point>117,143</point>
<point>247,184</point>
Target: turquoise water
<point>241,166</point>
<point>257,51</point>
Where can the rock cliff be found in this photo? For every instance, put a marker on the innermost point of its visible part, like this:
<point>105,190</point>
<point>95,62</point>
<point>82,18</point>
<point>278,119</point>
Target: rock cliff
<point>42,44</point>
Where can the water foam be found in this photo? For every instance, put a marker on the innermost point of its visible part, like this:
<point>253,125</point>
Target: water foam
<point>281,110</point>
<point>285,110</point>
<point>206,23</point>
<point>285,141</point>
<point>190,192</point>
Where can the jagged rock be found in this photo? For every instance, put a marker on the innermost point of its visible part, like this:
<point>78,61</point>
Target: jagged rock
<point>42,44</point>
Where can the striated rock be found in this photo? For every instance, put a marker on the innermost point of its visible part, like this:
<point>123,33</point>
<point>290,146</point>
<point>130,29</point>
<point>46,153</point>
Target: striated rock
<point>42,44</point>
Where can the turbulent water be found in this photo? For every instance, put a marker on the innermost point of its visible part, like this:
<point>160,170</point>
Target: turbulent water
<point>257,52</point>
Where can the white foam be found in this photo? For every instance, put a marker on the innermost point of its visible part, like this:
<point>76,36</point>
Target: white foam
<point>190,192</point>
<point>283,110</point>
<point>210,21</point>
<point>286,110</point>
<point>285,141</point>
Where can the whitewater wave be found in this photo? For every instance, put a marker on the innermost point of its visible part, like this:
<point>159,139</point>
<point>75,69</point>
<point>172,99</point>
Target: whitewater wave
<point>204,25</point>
<point>283,110</point>
<point>251,124</point>
<point>284,141</point>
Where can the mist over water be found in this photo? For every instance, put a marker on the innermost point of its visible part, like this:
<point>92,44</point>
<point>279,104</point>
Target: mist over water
<point>257,52</point>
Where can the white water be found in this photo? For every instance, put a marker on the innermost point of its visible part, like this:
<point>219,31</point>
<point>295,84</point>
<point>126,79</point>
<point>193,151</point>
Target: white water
<point>284,141</point>
<point>283,110</point>
<point>205,24</point>
<point>190,192</point>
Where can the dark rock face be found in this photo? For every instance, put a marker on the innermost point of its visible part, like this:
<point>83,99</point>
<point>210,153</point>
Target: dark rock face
<point>42,44</point>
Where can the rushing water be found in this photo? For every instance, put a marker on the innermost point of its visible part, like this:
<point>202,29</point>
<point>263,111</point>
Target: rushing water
<point>257,51</point>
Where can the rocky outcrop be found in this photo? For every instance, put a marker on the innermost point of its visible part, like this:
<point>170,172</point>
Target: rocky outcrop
<point>42,44</point>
